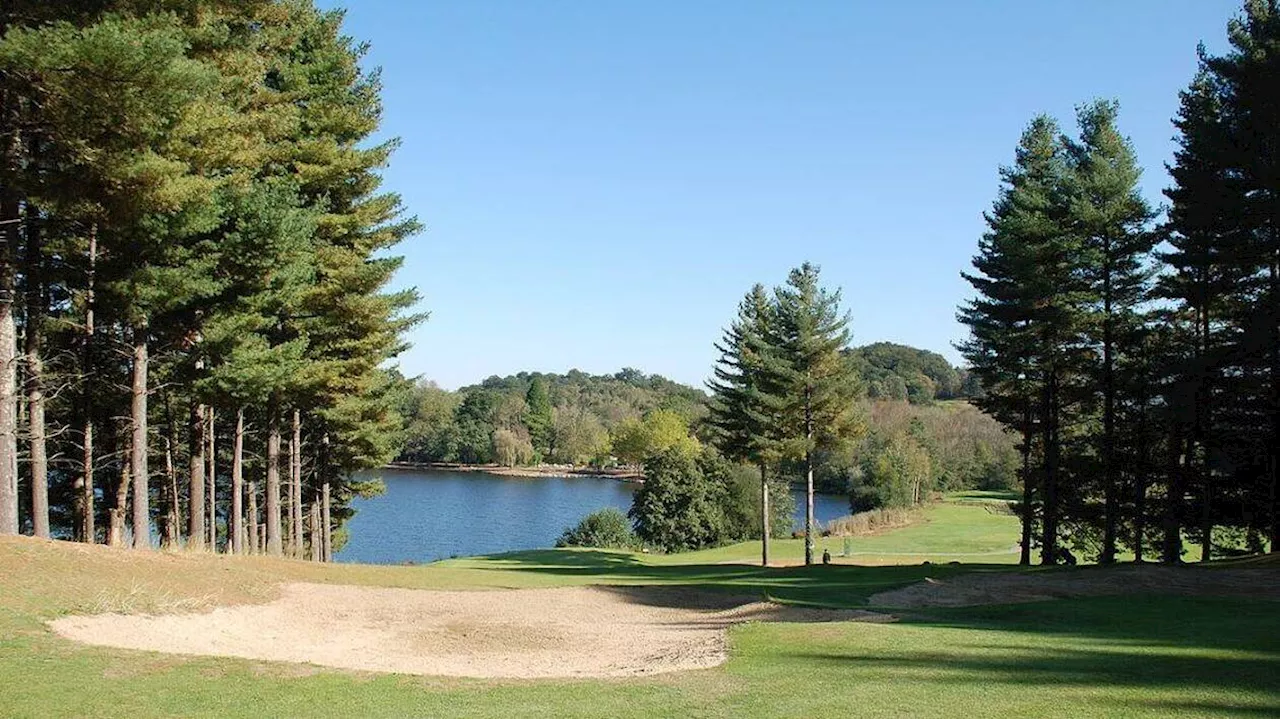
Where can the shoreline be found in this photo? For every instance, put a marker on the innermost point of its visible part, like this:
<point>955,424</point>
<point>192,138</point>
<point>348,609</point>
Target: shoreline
<point>539,472</point>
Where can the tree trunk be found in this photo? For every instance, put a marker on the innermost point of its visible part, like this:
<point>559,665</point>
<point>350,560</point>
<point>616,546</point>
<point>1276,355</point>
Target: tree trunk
<point>171,472</point>
<point>326,521</point>
<point>9,216</point>
<point>1206,519</point>
<point>313,529</point>
<point>33,345</point>
<point>195,478</point>
<point>1028,488</point>
<point>1273,450</point>
<point>274,545</point>
<point>1111,501</point>
<point>1140,482</point>
<point>10,229</point>
<point>1139,519</point>
<point>211,435</point>
<point>169,533</point>
<point>237,472</point>
<point>1049,525</point>
<point>255,547</point>
<point>1203,422</point>
<point>138,449</point>
<point>84,483</point>
<point>115,533</point>
<point>808,474</point>
<point>295,484</point>
<point>1172,553</point>
<point>764,515</point>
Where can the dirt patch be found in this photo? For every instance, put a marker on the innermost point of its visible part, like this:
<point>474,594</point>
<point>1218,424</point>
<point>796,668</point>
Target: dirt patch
<point>526,633</point>
<point>1008,588</point>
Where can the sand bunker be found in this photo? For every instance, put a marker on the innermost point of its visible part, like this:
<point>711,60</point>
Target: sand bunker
<point>563,632</point>
<point>1008,588</point>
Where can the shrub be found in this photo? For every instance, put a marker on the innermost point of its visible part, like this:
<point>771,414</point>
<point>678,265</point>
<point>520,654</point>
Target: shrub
<point>679,507</point>
<point>741,504</point>
<point>604,529</point>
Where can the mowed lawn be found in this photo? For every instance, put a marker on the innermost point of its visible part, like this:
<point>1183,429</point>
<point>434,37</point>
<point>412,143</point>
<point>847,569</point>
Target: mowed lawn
<point>967,528</point>
<point>1131,656</point>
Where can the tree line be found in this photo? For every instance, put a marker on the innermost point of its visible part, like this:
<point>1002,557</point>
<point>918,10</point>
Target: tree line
<point>1137,356</point>
<point>194,314</point>
<point>894,371</point>
<point>533,417</point>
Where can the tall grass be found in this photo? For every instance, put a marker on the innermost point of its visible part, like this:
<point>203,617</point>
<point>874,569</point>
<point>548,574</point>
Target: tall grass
<point>872,522</point>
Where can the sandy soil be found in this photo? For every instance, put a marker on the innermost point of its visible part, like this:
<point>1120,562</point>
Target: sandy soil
<point>562,632</point>
<point>1007,588</point>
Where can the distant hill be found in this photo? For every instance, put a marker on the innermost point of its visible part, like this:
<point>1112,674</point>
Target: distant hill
<point>894,371</point>
<point>499,420</point>
<point>610,397</point>
<point>493,421</point>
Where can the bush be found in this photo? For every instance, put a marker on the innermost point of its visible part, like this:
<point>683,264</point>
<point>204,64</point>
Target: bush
<point>895,473</point>
<point>604,529</point>
<point>741,505</point>
<point>680,507</point>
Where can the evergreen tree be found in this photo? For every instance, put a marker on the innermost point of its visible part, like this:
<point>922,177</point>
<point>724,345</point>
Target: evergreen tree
<point>806,365</point>
<point>1000,349</point>
<point>538,418</point>
<point>744,414</point>
<point>1107,211</point>
<point>198,214</point>
<point>1027,326</point>
<point>1225,397</point>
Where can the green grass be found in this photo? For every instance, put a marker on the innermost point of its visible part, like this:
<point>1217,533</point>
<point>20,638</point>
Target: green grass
<point>1145,656</point>
<point>959,529</point>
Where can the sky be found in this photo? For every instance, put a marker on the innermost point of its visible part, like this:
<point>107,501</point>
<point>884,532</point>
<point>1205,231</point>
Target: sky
<point>602,182</point>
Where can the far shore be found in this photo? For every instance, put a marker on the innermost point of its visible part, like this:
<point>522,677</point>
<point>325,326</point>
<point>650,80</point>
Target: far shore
<point>539,471</point>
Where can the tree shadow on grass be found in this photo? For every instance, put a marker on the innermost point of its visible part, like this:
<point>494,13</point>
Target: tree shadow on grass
<point>1155,669</point>
<point>834,586</point>
<point>1227,624</point>
<point>1137,642</point>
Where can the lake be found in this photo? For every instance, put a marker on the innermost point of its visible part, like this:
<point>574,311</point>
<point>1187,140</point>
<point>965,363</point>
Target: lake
<point>430,515</point>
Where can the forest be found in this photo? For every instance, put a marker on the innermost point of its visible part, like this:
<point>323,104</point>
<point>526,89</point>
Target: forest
<point>195,323</point>
<point>606,421</point>
<point>1135,350</point>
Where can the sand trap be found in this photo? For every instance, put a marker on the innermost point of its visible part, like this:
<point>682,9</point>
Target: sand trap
<point>563,632</point>
<point>1009,588</point>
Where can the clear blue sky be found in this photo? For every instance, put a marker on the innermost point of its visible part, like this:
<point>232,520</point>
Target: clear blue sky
<point>602,181</point>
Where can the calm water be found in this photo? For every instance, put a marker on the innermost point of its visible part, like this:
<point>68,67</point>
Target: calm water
<point>425,516</point>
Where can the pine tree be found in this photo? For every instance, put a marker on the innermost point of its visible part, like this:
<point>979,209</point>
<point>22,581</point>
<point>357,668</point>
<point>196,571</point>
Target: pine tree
<point>1248,76</point>
<point>1001,349</point>
<point>193,183</point>
<point>1107,211</point>
<point>1027,324</point>
<point>537,416</point>
<point>1223,226</point>
<point>744,414</point>
<point>806,365</point>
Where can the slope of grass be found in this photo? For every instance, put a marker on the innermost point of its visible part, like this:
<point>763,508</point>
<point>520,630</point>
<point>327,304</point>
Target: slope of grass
<point>1133,656</point>
<point>959,529</point>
